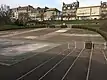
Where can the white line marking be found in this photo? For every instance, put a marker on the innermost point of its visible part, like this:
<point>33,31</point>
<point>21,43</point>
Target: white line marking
<point>84,44</point>
<point>47,35</point>
<point>82,35</point>
<point>72,65</point>
<point>89,67</point>
<point>25,59</point>
<point>68,45</point>
<point>50,48</point>
<point>75,44</point>
<point>4,64</point>
<point>63,30</point>
<point>31,37</point>
<point>29,57</point>
<point>104,55</point>
<point>105,45</point>
<point>39,66</point>
<point>10,35</point>
<point>22,49</point>
<point>56,64</point>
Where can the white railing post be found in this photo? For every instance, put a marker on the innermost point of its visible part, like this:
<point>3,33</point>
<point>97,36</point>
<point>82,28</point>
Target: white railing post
<point>84,44</point>
<point>105,45</point>
<point>68,45</point>
<point>75,44</point>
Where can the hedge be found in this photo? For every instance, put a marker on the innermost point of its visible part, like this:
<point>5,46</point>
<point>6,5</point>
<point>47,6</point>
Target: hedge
<point>14,27</point>
<point>73,21</point>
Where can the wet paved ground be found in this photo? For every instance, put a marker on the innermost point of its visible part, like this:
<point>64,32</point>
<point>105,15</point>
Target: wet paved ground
<point>67,59</point>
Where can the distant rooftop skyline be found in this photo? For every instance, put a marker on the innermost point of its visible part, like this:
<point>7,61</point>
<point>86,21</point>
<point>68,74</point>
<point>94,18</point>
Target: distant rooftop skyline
<point>49,3</point>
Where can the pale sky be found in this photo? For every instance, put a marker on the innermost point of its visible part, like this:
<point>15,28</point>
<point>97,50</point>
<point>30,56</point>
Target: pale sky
<point>48,3</point>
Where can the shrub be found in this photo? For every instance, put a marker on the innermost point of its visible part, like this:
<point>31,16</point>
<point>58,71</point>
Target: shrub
<point>63,26</point>
<point>103,25</point>
<point>19,23</point>
<point>52,26</point>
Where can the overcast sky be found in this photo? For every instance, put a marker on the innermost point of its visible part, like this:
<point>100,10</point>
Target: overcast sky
<point>49,3</point>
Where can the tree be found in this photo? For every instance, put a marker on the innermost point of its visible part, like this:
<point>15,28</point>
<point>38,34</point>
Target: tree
<point>42,16</point>
<point>23,18</point>
<point>4,14</point>
<point>53,16</point>
<point>103,26</point>
<point>103,23</point>
<point>104,16</point>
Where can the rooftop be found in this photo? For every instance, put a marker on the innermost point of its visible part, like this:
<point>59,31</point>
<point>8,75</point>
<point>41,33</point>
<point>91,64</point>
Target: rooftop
<point>25,7</point>
<point>89,7</point>
<point>53,9</point>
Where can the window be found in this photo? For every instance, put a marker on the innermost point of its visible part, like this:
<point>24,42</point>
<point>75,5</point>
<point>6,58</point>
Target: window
<point>64,8</point>
<point>68,7</point>
<point>13,15</point>
<point>73,7</point>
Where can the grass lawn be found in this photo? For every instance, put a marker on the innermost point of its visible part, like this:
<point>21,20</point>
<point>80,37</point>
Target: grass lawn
<point>13,27</point>
<point>10,27</point>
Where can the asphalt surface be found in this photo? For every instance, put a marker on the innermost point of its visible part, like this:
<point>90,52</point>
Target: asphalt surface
<point>68,61</point>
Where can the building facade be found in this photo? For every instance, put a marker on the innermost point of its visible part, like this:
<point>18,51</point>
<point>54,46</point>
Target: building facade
<point>91,12</point>
<point>104,10</point>
<point>38,13</point>
<point>17,13</point>
<point>73,11</point>
<point>52,14</point>
<point>33,13</point>
<point>41,13</point>
<point>14,13</point>
<point>69,11</point>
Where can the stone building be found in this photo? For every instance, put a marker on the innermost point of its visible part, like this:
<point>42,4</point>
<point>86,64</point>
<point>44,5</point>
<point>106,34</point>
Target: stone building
<point>52,14</point>
<point>69,11</point>
<point>104,10</point>
<point>33,13</point>
<point>16,13</point>
<point>38,13</point>
<point>90,12</point>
